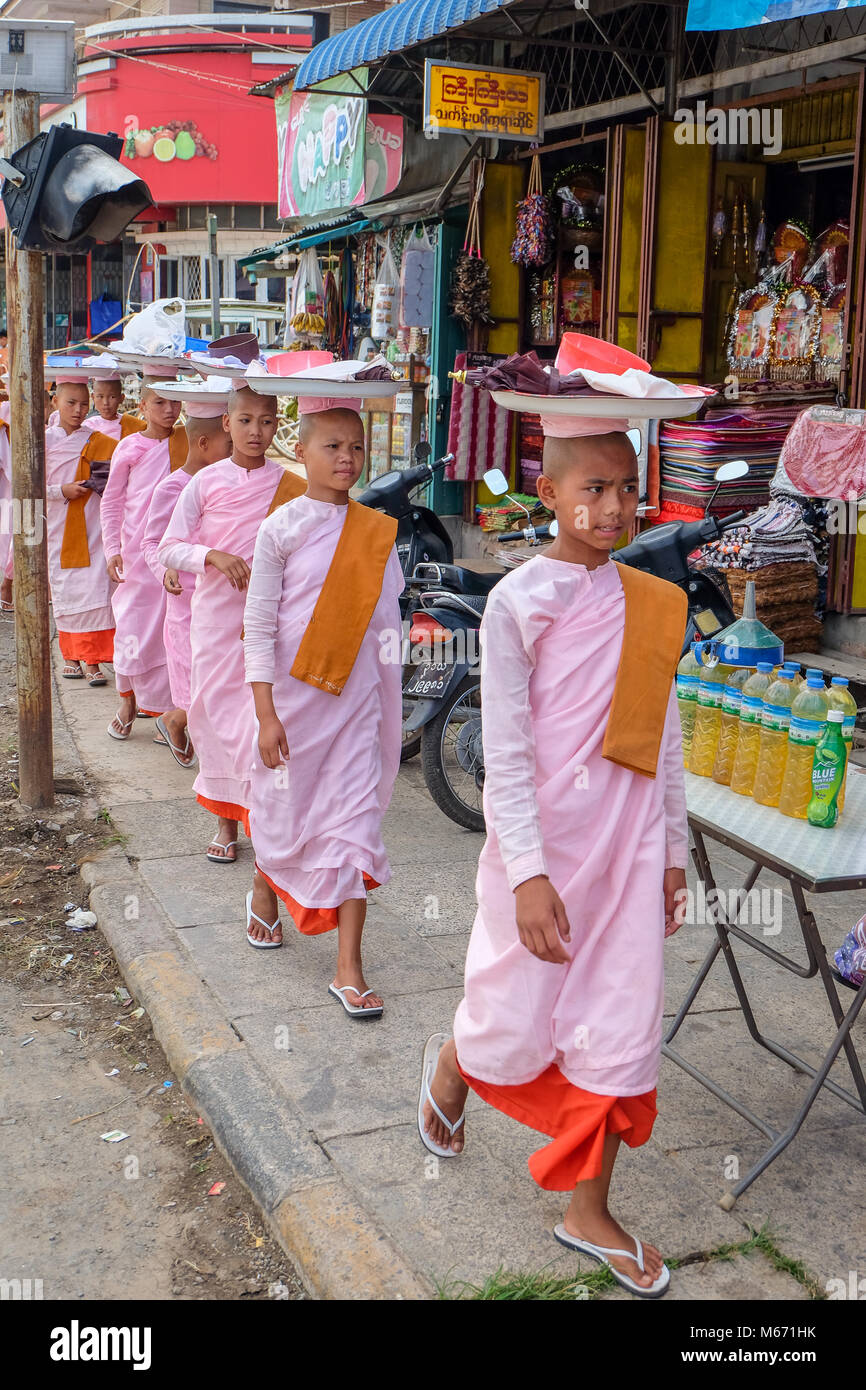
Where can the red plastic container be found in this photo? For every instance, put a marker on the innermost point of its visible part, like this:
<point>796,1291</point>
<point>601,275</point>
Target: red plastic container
<point>577,350</point>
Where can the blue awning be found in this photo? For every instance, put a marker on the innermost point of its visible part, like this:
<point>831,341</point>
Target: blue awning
<point>400,26</point>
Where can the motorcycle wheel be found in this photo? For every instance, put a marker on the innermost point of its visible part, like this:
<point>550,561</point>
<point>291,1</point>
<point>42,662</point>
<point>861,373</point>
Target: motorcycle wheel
<point>452,756</point>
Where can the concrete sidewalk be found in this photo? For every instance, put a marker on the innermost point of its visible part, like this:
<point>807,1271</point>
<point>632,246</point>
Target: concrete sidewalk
<point>317,1113</point>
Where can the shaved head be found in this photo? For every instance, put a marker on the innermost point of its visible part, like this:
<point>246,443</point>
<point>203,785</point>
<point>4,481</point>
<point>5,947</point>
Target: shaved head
<point>240,398</point>
<point>587,450</point>
<point>310,425</point>
<point>68,389</point>
<point>197,428</point>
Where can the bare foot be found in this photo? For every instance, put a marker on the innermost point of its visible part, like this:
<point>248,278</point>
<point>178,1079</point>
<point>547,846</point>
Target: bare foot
<point>264,905</point>
<point>222,846</point>
<point>602,1229</point>
<point>123,719</point>
<point>449,1091</point>
<point>351,978</point>
<point>175,725</point>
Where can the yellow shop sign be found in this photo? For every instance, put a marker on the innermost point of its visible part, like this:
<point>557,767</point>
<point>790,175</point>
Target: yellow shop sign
<point>462,97</point>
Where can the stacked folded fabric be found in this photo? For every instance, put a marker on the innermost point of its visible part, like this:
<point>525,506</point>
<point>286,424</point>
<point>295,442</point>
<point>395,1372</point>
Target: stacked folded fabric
<point>531,447</point>
<point>691,451</point>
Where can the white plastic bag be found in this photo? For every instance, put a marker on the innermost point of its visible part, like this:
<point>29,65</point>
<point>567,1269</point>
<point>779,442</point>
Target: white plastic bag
<point>417,280</point>
<point>160,328</point>
<point>383,317</point>
<point>307,296</point>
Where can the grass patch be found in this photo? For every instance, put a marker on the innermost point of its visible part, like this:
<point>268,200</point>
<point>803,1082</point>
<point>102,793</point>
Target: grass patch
<point>542,1286</point>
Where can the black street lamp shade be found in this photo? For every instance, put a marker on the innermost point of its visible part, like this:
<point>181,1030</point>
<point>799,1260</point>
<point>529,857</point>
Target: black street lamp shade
<point>89,194</point>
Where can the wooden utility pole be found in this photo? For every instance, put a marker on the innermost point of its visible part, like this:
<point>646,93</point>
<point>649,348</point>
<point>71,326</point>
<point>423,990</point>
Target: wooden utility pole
<point>213,262</point>
<point>25,309</point>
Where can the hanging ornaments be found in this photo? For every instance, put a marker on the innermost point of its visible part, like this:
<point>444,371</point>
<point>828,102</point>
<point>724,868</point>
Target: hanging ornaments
<point>762,239</point>
<point>470,280</point>
<point>533,240</point>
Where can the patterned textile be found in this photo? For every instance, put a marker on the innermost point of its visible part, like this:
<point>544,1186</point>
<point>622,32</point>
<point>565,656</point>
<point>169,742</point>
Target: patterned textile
<point>691,451</point>
<point>479,431</point>
<point>825,460</point>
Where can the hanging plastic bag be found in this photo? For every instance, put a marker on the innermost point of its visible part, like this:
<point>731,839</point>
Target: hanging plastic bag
<point>417,280</point>
<point>383,316</point>
<point>307,315</point>
<point>160,328</point>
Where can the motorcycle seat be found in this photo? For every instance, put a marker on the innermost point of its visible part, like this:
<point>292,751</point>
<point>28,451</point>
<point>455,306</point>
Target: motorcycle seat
<point>475,582</point>
<point>461,603</point>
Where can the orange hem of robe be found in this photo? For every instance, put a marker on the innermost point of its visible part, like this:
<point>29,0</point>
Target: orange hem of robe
<point>89,647</point>
<point>310,921</point>
<point>577,1122</point>
<point>226,809</point>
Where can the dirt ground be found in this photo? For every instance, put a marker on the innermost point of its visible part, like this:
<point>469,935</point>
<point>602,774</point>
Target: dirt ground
<point>157,1214</point>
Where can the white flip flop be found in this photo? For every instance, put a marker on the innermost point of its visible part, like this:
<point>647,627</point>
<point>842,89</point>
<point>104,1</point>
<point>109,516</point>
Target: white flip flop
<point>177,753</point>
<point>221,858</point>
<point>602,1253</point>
<point>269,926</point>
<point>355,1010</point>
<point>429,1062</point>
<point>121,738</point>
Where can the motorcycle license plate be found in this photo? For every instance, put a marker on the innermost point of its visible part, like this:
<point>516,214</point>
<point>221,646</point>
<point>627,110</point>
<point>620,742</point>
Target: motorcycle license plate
<point>706,622</point>
<point>430,680</point>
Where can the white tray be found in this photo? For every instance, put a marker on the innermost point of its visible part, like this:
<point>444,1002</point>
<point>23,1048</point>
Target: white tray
<point>212,366</point>
<point>604,407</point>
<point>72,373</point>
<point>321,386</point>
<point>152,366</point>
<point>188,391</point>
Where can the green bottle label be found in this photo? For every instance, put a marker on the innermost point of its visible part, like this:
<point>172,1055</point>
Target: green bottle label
<point>732,700</point>
<point>710,694</point>
<point>828,772</point>
<point>750,709</point>
<point>776,717</point>
<point>806,731</point>
<point>687,687</point>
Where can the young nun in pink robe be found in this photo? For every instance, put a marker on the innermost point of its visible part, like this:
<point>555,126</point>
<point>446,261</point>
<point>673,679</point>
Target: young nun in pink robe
<point>323,761</point>
<point>80,596</point>
<point>208,443</point>
<point>107,399</point>
<point>211,534</point>
<point>579,880</point>
<point>138,463</point>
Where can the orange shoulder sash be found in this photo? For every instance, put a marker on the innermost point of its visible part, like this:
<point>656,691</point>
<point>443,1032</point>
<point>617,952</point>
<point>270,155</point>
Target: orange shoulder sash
<point>74,550</point>
<point>652,641</point>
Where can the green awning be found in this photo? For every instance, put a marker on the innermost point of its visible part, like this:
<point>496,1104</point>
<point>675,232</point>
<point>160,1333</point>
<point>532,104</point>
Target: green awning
<point>259,260</point>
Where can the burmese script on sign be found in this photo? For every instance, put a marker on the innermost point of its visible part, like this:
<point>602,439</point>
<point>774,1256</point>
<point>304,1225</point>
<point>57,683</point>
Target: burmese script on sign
<point>499,101</point>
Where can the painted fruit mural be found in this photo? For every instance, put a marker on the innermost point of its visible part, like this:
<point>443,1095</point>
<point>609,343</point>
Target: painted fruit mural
<point>174,140</point>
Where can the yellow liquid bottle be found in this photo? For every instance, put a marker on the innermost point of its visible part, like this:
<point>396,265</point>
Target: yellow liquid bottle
<point>708,719</point>
<point>773,748</point>
<point>749,734</point>
<point>688,679</point>
<point>839,697</point>
<point>808,721</point>
<point>729,724</point>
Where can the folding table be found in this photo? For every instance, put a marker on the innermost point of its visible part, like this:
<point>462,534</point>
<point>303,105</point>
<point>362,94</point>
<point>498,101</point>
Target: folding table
<point>811,860</point>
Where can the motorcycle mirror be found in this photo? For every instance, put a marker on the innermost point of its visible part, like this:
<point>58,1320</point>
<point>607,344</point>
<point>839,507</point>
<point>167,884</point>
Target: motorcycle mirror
<point>634,437</point>
<point>726,472</point>
<point>422,451</point>
<point>496,481</point>
<point>554,528</point>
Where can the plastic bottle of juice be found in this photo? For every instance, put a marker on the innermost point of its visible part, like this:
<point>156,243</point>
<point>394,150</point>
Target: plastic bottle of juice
<point>828,773</point>
<point>708,718</point>
<point>688,678</point>
<point>729,725</point>
<point>839,697</point>
<point>808,720</point>
<point>773,748</point>
<point>749,736</point>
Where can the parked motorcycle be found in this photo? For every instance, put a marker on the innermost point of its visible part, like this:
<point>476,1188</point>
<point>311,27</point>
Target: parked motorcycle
<point>446,688</point>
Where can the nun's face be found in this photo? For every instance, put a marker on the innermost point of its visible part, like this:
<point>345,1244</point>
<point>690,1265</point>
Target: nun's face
<point>592,485</point>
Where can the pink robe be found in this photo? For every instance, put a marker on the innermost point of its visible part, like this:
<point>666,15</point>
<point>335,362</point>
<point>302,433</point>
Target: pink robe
<point>137,465</point>
<point>175,629</point>
<point>317,828</point>
<point>552,636</point>
<point>97,425</point>
<point>81,598</point>
<point>221,509</point>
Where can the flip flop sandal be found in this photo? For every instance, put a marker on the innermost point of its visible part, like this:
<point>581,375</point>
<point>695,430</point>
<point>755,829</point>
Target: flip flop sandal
<point>112,733</point>
<point>220,858</point>
<point>173,748</point>
<point>139,714</point>
<point>269,926</point>
<point>69,675</point>
<point>6,606</point>
<point>429,1062</point>
<point>95,678</point>
<point>602,1253</point>
<point>353,1010</point>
